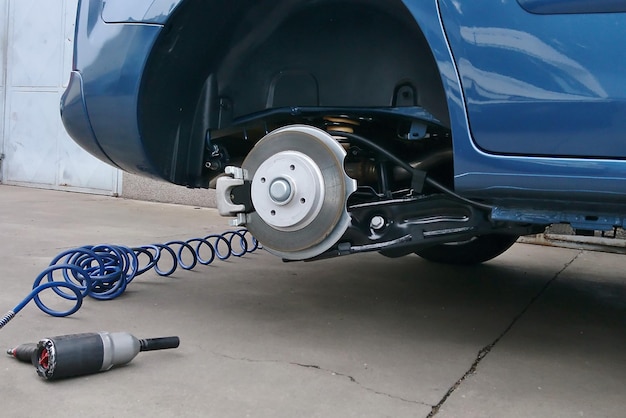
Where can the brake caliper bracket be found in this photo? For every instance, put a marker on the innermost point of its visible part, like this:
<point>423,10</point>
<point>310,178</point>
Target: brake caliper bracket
<point>232,195</point>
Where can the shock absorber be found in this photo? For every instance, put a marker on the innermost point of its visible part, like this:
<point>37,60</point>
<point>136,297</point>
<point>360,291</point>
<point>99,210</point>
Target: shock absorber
<point>81,354</point>
<point>362,170</point>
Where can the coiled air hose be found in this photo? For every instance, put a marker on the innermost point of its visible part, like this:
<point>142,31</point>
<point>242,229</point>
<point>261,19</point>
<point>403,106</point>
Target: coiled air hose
<point>103,272</point>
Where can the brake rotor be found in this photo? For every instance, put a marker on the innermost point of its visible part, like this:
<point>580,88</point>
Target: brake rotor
<point>299,191</point>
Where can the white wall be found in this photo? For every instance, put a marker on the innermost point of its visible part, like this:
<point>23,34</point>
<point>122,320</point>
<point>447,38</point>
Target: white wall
<point>4,7</point>
<point>36,41</point>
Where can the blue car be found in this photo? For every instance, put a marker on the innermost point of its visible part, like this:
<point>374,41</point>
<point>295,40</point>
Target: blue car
<point>445,128</point>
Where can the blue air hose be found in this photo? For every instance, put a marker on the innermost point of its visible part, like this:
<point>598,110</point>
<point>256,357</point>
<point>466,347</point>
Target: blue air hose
<point>104,271</point>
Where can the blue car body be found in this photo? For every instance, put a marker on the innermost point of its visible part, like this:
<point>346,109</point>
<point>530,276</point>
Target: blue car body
<point>532,92</point>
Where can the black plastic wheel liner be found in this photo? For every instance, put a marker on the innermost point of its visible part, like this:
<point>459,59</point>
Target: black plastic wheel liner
<point>217,61</point>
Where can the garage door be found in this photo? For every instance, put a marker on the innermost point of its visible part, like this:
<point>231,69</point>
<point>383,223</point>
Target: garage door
<point>35,50</point>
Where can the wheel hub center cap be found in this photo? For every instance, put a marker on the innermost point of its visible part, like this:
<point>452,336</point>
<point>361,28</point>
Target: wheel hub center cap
<point>280,191</point>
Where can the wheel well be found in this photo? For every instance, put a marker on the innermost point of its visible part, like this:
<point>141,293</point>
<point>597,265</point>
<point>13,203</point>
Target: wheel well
<point>217,61</point>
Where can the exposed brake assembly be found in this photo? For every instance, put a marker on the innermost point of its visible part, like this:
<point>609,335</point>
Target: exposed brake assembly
<point>295,195</point>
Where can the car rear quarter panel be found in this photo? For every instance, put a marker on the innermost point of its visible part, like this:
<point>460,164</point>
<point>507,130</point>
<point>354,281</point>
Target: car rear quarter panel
<point>138,11</point>
<point>560,137</point>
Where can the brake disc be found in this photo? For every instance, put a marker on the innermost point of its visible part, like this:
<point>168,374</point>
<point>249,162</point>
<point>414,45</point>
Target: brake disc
<point>299,191</point>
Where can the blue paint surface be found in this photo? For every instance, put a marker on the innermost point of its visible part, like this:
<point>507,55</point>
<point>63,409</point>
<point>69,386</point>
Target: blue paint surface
<point>573,6</point>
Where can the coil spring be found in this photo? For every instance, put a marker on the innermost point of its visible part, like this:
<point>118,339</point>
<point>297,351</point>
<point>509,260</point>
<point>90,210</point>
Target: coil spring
<point>340,124</point>
<point>103,272</point>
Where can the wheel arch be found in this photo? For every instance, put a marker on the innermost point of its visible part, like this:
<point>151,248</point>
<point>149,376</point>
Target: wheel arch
<point>216,61</point>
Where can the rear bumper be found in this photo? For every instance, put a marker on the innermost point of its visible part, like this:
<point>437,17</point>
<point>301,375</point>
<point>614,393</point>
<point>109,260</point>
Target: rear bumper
<point>76,120</point>
<point>99,108</point>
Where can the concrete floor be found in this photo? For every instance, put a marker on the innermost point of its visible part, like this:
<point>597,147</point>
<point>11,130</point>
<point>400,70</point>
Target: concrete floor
<point>537,332</point>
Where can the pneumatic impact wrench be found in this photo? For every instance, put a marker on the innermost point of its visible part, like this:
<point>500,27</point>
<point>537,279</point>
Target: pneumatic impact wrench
<point>81,354</point>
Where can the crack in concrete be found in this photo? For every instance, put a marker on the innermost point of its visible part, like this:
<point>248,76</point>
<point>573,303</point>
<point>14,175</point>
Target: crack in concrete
<point>313,366</point>
<point>332,372</point>
<point>487,349</point>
